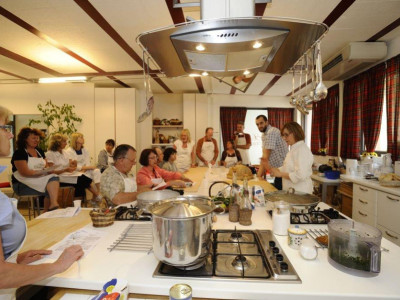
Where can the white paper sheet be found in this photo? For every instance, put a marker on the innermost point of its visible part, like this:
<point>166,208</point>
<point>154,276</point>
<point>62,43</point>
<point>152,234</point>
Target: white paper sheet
<point>60,213</point>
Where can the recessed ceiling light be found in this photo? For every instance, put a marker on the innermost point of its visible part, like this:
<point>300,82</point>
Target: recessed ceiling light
<point>63,79</point>
<point>257,45</point>
<point>246,72</point>
<point>194,75</point>
<point>200,47</point>
<point>204,73</point>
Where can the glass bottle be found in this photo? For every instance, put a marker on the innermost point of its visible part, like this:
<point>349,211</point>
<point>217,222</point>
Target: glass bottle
<point>245,211</point>
<point>234,206</point>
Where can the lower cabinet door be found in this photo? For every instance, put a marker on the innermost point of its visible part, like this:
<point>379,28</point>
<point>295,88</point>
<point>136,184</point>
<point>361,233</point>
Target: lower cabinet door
<point>390,235</point>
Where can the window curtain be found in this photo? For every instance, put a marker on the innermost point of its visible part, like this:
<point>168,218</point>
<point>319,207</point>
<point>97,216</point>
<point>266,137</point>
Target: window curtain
<point>229,117</point>
<point>371,106</point>
<point>278,117</point>
<point>393,106</point>
<point>351,124</point>
<point>325,122</point>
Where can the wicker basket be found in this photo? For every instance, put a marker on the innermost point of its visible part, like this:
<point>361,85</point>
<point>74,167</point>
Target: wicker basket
<point>102,219</point>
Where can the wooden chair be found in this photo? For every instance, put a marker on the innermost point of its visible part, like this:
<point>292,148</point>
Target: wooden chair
<point>33,203</point>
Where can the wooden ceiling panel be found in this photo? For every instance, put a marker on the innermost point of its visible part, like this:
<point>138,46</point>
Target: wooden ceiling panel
<point>20,69</point>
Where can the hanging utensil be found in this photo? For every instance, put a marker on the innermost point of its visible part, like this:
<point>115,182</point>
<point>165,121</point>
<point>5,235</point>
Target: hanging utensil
<point>320,91</point>
<point>293,97</point>
<point>307,100</point>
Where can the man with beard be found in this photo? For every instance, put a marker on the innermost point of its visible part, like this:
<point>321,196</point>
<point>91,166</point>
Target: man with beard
<point>274,148</point>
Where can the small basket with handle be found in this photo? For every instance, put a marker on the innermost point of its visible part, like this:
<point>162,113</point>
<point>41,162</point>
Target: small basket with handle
<point>103,217</point>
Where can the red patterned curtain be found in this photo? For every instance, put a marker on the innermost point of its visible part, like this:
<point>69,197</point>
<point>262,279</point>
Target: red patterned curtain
<point>371,107</point>
<point>229,117</point>
<point>393,106</point>
<point>278,117</point>
<point>351,124</point>
<point>324,130</point>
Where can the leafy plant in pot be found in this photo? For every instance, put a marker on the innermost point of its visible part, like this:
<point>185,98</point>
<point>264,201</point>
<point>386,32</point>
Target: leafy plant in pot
<point>58,119</point>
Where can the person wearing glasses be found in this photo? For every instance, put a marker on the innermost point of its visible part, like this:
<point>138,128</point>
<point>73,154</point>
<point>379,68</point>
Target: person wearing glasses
<point>274,149</point>
<point>152,176</point>
<point>117,183</point>
<point>77,152</point>
<point>15,269</point>
<point>297,167</point>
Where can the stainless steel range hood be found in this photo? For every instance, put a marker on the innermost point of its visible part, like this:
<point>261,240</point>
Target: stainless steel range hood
<point>229,46</point>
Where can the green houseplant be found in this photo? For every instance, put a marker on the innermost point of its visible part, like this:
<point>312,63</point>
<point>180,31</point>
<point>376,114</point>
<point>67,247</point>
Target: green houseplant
<point>58,119</point>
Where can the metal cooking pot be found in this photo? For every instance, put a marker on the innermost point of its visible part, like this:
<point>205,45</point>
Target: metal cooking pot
<point>144,200</point>
<point>299,202</point>
<point>182,230</point>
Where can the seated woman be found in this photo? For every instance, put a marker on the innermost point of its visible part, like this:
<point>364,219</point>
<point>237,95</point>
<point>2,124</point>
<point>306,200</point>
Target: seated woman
<point>230,156</point>
<point>28,162</point>
<point>150,175</point>
<point>12,234</point>
<point>297,166</point>
<point>77,152</point>
<point>105,158</point>
<point>169,160</point>
<point>66,167</point>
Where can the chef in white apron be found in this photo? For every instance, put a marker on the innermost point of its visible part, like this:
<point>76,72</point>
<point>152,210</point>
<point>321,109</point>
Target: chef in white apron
<point>37,183</point>
<point>207,151</point>
<point>241,143</point>
<point>184,152</point>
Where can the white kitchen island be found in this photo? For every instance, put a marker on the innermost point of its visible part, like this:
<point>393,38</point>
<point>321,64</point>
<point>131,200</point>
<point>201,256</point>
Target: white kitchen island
<point>319,278</point>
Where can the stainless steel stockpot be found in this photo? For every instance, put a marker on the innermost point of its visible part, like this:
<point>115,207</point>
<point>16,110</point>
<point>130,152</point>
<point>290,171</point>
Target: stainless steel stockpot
<point>144,200</point>
<point>182,230</point>
<point>299,202</point>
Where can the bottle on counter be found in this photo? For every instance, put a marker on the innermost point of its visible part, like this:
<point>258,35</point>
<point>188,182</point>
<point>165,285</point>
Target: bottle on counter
<point>245,211</point>
<point>234,205</point>
<point>281,218</point>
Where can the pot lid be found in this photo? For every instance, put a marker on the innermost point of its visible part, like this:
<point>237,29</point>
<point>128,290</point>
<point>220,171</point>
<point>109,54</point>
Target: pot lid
<point>350,228</point>
<point>182,208</point>
<point>292,197</point>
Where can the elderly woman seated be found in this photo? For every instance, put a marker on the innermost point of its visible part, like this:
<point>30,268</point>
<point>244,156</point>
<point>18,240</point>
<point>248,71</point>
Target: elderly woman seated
<point>66,167</point>
<point>28,166</point>
<point>151,175</point>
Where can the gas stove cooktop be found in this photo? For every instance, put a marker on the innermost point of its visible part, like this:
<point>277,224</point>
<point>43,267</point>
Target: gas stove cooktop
<point>239,255</point>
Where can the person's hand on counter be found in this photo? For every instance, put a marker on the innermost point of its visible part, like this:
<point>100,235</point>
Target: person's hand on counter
<point>186,179</point>
<point>27,257</point>
<point>68,257</point>
<point>176,183</point>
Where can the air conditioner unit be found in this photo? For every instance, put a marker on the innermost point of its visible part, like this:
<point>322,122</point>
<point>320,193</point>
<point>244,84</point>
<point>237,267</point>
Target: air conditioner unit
<point>352,59</point>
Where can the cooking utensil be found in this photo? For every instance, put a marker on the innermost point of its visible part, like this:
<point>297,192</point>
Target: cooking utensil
<point>144,200</point>
<point>299,202</point>
<point>320,91</point>
<point>354,247</point>
<point>182,230</point>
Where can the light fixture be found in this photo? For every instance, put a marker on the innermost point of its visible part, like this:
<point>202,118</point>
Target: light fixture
<point>204,73</point>
<point>194,75</point>
<point>200,47</point>
<point>257,45</point>
<point>63,79</point>
<point>246,72</point>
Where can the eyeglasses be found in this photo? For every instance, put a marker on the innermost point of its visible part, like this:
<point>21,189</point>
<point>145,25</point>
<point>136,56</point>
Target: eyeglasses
<point>8,128</point>
<point>286,134</point>
<point>131,160</point>
<point>152,157</point>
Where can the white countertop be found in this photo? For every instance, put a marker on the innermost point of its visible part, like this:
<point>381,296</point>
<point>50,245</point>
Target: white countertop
<point>372,184</point>
<point>319,278</point>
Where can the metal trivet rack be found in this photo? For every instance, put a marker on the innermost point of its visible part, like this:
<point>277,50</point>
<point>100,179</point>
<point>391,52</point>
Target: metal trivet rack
<point>136,237</point>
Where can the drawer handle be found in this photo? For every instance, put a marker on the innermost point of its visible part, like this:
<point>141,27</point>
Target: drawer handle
<point>363,189</point>
<point>363,202</point>
<point>393,199</point>
<point>392,236</point>
<point>364,215</point>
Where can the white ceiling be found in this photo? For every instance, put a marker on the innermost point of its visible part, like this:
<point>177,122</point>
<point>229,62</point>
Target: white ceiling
<point>44,31</point>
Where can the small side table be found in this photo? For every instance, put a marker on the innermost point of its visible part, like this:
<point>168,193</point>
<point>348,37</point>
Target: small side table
<point>325,182</point>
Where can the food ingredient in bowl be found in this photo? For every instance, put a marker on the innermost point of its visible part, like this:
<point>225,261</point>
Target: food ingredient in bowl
<point>323,240</point>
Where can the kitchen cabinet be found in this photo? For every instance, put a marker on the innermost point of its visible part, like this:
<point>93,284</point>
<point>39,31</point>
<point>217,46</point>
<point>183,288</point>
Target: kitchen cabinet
<point>364,204</point>
<point>388,216</point>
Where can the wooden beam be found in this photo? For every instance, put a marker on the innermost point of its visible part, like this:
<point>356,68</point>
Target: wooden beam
<point>270,84</point>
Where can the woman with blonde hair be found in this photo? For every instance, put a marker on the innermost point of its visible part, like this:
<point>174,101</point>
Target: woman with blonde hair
<point>77,152</point>
<point>185,156</point>
<point>66,168</point>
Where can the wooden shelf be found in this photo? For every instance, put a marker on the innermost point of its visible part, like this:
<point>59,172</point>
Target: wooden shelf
<point>167,126</point>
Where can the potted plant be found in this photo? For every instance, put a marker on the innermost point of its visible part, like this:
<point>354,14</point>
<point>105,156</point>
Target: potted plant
<point>58,119</point>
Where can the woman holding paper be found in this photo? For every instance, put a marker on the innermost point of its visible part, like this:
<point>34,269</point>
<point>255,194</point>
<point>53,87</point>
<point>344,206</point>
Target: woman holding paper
<point>152,176</point>
<point>29,174</point>
<point>12,234</point>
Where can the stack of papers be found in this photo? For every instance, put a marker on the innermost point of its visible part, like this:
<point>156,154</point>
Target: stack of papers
<point>60,213</point>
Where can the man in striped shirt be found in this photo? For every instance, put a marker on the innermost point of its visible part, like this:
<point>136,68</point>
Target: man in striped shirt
<point>274,148</point>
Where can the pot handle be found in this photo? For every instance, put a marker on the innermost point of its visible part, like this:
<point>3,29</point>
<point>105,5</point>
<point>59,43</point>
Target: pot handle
<point>290,191</point>
<point>375,265</point>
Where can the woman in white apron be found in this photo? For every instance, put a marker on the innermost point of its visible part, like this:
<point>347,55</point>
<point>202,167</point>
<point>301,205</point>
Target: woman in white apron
<point>66,168</point>
<point>184,147</point>
<point>230,156</point>
<point>29,174</point>
<point>12,236</point>
<point>81,155</point>
<point>105,157</point>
